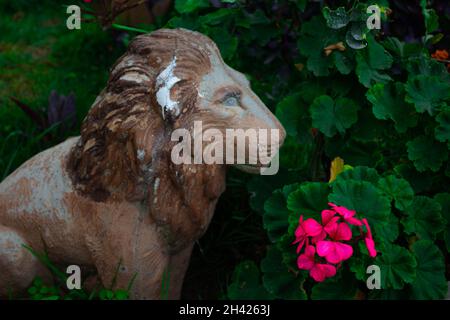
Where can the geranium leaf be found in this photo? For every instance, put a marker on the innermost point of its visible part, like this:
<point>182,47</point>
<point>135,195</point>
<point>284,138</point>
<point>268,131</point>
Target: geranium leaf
<point>344,288</point>
<point>276,213</point>
<point>331,117</point>
<point>278,280</point>
<point>444,201</point>
<point>309,199</point>
<point>360,173</point>
<point>397,189</point>
<point>442,131</point>
<point>430,282</point>
<point>427,93</point>
<point>186,6</point>
<point>364,198</point>
<point>314,37</point>
<point>387,232</point>
<point>426,153</point>
<point>292,111</point>
<point>336,19</point>
<point>246,283</point>
<point>397,267</point>
<point>423,218</point>
<point>388,103</point>
<point>370,61</point>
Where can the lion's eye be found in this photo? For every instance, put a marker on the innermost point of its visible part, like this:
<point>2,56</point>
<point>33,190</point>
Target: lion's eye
<point>231,101</point>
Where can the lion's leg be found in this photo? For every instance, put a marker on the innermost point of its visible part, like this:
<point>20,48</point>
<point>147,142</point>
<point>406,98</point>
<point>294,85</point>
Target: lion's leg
<point>133,256</point>
<point>18,266</point>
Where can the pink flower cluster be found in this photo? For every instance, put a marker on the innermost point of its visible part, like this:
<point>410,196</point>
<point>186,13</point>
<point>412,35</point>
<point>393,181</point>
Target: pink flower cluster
<point>324,242</point>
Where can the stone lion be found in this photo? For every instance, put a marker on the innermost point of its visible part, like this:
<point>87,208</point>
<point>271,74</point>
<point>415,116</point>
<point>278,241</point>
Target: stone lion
<point>111,200</point>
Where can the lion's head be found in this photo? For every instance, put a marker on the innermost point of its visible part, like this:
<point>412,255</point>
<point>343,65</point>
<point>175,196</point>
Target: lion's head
<point>165,81</point>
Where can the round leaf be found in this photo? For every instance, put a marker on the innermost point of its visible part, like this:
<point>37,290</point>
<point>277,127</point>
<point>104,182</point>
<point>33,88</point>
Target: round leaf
<point>362,197</point>
<point>442,131</point>
<point>278,280</point>
<point>423,218</point>
<point>309,199</point>
<point>426,153</point>
<point>246,284</point>
<point>360,173</point>
<point>430,280</point>
<point>332,117</point>
<point>397,189</point>
<point>397,267</point>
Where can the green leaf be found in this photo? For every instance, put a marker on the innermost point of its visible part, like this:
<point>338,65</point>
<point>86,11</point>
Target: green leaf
<point>397,267</point>
<point>226,42</point>
<point>426,153</point>
<point>260,187</point>
<point>423,217</point>
<point>388,232</point>
<point>309,199</point>
<point>276,213</point>
<point>278,280</point>
<point>419,181</point>
<point>358,265</point>
<point>217,17</point>
<point>444,201</point>
<point>331,117</point>
<point>343,62</point>
<point>336,19</point>
<point>422,64</point>
<point>427,93</point>
<point>397,189</point>
<point>388,103</point>
<point>343,289</point>
<point>246,284</point>
<point>360,173</point>
<point>364,198</point>
<point>370,61</point>
<point>293,113</point>
<point>442,131</point>
<point>187,6</point>
<point>431,18</point>
<point>121,294</point>
<point>430,282</point>
<point>314,37</point>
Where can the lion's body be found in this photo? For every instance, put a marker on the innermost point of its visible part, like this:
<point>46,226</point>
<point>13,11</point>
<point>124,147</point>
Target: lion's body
<point>39,207</point>
<point>113,195</point>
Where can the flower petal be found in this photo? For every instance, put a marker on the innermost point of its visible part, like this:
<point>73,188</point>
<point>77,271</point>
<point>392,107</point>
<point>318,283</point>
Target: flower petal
<point>327,215</point>
<point>343,232</point>
<point>354,221</point>
<point>312,227</point>
<point>324,248</point>
<point>305,262</point>
<point>322,271</point>
<point>370,244</point>
<point>344,251</point>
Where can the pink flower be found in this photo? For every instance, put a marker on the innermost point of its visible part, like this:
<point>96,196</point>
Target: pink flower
<point>334,251</point>
<point>347,214</point>
<point>310,228</point>
<point>319,231</point>
<point>300,235</point>
<point>368,239</point>
<point>317,271</point>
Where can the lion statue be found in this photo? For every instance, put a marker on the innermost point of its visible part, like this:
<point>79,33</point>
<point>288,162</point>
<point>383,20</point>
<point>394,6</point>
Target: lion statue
<point>111,200</point>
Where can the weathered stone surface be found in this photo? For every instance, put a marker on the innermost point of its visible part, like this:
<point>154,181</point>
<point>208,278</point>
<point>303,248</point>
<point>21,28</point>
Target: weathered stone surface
<point>113,195</point>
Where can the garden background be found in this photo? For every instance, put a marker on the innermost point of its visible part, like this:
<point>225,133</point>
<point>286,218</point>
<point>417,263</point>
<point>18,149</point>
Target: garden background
<point>367,114</point>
